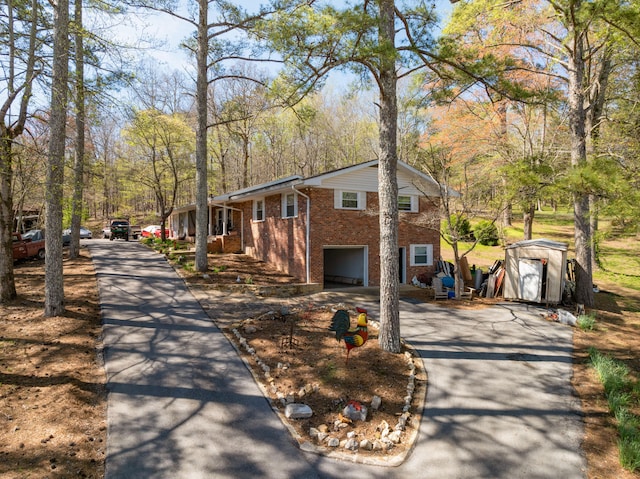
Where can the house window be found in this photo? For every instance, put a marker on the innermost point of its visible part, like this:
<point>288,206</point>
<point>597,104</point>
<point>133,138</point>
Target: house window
<point>289,205</point>
<point>408,203</point>
<point>349,200</point>
<point>421,254</point>
<point>258,210</point>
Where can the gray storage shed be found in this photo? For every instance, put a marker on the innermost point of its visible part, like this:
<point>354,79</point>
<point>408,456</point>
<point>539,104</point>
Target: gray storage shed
<point>535,270</point>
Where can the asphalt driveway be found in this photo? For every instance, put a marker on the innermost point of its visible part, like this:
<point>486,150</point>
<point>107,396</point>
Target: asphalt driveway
<point>181,404</point>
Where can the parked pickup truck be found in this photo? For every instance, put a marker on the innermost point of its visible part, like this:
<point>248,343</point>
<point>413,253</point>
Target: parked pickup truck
<point>119,229</point>
<point>135,231</point>
<point>27,248</point>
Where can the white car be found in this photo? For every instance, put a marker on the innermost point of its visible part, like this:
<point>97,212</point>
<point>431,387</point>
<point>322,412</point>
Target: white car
<point>85,233</point>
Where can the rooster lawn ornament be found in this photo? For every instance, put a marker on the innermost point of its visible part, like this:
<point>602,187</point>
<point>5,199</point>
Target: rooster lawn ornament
<point>353,337</point>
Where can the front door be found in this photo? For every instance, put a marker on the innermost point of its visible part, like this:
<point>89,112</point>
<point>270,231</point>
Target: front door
<point>219,222</point>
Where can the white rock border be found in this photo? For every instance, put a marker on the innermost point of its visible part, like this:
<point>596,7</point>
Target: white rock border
<point>347,449</point>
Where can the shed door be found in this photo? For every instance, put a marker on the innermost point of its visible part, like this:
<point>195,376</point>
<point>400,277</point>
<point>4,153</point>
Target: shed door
<point>530,279</point>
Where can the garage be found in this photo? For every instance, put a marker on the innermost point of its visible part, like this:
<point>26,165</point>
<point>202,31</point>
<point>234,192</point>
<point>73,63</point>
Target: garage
<point>345,266</point>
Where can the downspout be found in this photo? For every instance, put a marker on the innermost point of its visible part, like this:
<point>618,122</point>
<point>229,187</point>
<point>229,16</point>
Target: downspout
<point>308,233</point>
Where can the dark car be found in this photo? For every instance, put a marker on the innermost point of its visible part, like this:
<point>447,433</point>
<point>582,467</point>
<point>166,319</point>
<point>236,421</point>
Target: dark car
<point>119,230</point>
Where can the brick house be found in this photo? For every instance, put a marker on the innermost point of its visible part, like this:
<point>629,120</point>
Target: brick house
<point>325,228</point>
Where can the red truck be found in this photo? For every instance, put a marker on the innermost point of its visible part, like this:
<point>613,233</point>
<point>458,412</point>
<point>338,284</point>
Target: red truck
<point>27,247</point>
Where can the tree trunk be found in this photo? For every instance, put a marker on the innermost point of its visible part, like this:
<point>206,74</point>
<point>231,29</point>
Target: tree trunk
<point>577,120</point>
<point>527,219</point>
<point>458,279</point>
<point>78,167</point>
<point>54,286</point>
<point>7,279</point>
<point>245,161</point>
<point>507,214</point>
<point>202,200</point>
<point>597,97</point>
<point>389,337</point>
<point>593,231</point>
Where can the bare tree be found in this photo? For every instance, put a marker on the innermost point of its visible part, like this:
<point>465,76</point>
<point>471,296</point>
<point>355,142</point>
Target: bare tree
<point>240,104</point>
<point>103,174</point>
<point>456,206</point>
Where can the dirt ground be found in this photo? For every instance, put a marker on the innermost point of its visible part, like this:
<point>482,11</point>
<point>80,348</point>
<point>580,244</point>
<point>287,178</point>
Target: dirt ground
<point>52,384</point>
<point>617,335</point>
<point>52,394</point>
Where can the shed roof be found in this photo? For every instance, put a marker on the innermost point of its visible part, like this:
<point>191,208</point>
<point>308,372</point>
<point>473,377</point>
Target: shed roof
<point>540,243</point>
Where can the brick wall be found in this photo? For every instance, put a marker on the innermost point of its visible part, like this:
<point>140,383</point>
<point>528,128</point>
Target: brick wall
<point>345,227</point>
<point>231,243</point>
<point>276,240</point>
<point>281,241</point>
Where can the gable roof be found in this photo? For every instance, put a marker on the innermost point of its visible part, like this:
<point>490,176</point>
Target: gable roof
<point>260,190</point>
<point>331,178</point>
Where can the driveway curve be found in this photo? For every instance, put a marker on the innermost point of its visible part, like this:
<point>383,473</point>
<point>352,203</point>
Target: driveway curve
<point>181,403</point>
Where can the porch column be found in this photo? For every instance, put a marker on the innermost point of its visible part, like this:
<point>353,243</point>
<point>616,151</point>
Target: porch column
<point>225,218</point>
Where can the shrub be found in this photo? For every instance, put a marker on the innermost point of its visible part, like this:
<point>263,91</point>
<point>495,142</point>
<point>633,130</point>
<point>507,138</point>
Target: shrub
<point>461,226</point>
<point>487,233</point>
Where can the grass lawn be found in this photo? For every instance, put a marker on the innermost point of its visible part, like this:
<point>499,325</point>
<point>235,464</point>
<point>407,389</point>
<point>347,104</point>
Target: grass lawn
<point>619,255</point>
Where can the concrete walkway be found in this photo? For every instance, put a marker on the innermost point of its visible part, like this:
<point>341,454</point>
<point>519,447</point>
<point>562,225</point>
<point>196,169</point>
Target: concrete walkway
<point>181,404</point>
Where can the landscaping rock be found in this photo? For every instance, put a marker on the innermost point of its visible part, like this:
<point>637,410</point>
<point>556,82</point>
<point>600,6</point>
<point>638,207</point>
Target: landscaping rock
<point>355,411</point>
<point>366,445</point>
<point>352,444</point>
<point>297,411</point>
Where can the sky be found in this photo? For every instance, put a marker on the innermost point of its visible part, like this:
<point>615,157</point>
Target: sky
<point>172,31</point>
